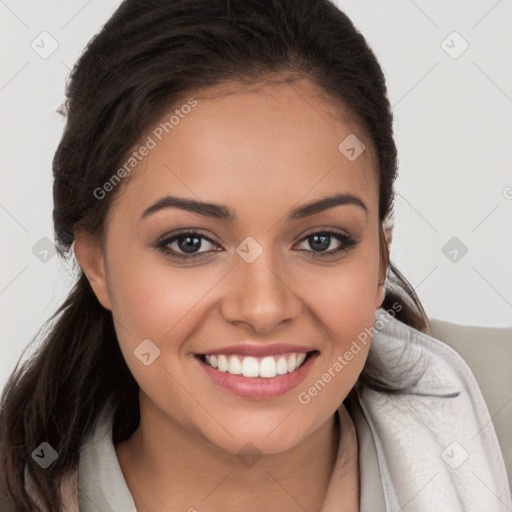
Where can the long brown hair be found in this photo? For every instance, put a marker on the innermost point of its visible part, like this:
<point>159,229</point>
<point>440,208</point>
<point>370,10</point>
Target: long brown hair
<point>147,56</point>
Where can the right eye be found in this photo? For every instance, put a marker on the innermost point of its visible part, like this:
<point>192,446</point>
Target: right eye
<point>185,245</point>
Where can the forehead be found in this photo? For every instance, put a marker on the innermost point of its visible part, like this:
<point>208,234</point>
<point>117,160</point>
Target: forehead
<point>240,144</point>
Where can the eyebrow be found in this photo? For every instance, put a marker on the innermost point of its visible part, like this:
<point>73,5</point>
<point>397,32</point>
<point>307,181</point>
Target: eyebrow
<point>221,212</point>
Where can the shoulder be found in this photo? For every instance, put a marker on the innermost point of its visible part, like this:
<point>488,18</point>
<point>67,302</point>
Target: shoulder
<point>68,491</point>
<point>488,353</point>
<point>429,418</point>
<point>72,482</point>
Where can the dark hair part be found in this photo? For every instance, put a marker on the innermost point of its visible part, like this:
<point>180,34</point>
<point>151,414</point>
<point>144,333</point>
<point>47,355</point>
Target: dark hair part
<point>150,54</point>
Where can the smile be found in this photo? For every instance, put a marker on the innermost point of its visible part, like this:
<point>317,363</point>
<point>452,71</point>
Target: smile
<point>248,366</point>
<point>257,378</point>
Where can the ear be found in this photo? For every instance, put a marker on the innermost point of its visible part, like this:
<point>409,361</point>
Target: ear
<point>387,229</point>
<point>89,254</point>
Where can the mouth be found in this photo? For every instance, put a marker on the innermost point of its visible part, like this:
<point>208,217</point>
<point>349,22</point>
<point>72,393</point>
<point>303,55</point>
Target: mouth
<point>267,367</point>
<point>257,377</point>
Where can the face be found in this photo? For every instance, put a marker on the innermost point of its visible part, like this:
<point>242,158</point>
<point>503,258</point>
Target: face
<point>268,287</point>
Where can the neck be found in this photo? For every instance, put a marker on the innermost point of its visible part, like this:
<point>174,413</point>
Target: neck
<point>197,473</point>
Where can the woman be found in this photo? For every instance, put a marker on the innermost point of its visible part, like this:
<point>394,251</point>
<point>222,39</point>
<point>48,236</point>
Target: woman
<point>237,336</point>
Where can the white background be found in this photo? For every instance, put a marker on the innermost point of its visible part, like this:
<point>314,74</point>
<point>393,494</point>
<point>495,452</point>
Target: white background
<point>453,128</point>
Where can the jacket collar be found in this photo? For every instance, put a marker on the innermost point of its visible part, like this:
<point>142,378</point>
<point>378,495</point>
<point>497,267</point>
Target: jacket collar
<point>434,439</point>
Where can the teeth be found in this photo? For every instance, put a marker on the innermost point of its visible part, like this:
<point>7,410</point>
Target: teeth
<point>292,363</point>
<point>235,367</point>
<point>248,366</point>
<point>300,359</point>
<point>281,366</point>
<point>222,363</point>
<point>268,367</point>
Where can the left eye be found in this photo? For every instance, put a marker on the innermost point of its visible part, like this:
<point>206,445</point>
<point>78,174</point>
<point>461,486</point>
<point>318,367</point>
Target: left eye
<point>186,244</point>
<point>322,240</point>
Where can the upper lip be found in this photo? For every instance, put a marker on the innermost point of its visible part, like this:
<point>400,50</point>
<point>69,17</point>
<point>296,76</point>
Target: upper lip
<point>258,350</point>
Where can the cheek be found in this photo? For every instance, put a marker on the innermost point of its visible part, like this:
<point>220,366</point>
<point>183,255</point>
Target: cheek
<point>344,305</point>
<point>344,298</point>
<point>161,303</point>
<point>347,315</point>
<point>348,319</point>
<point>151,298</point>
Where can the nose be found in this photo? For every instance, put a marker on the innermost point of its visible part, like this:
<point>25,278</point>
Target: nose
<point>260,295</point>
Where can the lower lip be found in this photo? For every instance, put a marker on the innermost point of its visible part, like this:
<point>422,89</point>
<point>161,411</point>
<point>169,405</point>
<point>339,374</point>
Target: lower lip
<point>259,388</point>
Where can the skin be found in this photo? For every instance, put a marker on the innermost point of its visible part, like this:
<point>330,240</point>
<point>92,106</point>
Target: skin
<point>260,152</point>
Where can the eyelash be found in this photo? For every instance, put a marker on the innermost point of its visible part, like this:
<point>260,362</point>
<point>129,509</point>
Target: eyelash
<point>348,243</point>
